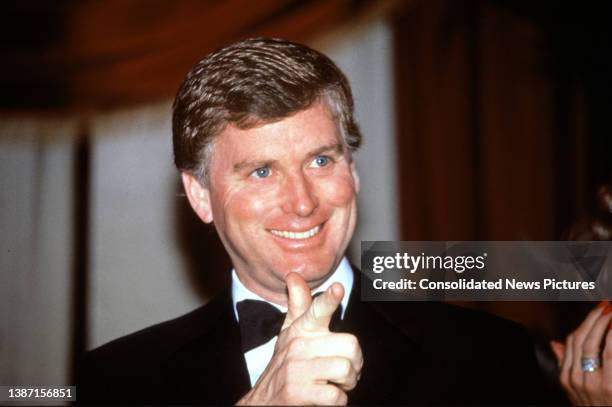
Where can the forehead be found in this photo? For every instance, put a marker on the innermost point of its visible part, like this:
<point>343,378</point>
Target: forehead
<point>293,136</point>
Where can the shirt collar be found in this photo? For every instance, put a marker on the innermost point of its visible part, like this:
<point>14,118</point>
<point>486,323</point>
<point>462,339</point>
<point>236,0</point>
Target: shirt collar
<point>343,275</point>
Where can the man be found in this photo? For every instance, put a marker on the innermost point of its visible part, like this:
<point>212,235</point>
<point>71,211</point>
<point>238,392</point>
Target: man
<point>263,134</point>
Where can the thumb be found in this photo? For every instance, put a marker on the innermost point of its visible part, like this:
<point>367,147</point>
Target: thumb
<point>319,314</point>
<point>299,298</point>
<point>559,350</point>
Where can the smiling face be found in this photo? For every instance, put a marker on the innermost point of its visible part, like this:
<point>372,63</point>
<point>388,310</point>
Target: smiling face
<point>283,199</point>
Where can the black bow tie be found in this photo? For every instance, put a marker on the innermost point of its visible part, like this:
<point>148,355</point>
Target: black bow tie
<point>260,321</point>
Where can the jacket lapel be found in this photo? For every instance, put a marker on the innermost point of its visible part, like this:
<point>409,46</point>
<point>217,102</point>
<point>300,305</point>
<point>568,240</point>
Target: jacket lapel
<point>393,358</point>
<point>210,367</point>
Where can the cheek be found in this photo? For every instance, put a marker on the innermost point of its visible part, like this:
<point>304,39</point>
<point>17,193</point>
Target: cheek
<point>339,191</point>
<point>245,205</point>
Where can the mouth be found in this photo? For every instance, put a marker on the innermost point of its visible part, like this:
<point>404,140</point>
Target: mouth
<point>297,235</point>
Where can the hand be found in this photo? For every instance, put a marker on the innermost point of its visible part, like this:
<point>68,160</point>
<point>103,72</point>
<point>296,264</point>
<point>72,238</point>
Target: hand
<point>588,388</point>
<point>310,364</point>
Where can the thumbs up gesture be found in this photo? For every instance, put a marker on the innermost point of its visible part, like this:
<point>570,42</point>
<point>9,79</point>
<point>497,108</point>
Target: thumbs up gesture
<point>310,364</point>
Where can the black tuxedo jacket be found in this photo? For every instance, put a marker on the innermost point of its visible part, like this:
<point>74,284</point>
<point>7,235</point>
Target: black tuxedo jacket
<point>414,352</point>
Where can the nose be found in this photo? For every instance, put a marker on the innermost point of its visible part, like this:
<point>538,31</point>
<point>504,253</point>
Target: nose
<point>299,196</point>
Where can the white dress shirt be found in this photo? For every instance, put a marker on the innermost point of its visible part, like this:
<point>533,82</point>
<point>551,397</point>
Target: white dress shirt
<point>258,358</point>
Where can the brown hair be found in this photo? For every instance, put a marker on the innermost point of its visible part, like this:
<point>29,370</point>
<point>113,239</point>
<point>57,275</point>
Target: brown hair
<point>250,82</point>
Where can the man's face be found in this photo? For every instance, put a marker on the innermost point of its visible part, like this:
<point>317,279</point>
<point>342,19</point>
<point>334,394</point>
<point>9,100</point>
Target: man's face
<point>282,198</point>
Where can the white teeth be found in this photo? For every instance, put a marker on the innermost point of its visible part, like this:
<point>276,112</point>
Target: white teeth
<point>296,235</point>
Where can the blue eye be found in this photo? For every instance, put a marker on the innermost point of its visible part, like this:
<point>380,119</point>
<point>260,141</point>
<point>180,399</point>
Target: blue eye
<point>321,161</point>
<point>262,172</point>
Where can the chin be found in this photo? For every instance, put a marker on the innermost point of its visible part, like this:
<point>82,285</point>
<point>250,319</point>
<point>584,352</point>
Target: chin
<point>313,271</point>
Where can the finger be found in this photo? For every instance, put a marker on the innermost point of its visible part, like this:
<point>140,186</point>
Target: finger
<point>319,314</point>
<point>558,350</point>
<point>330,345</point>
<point>566,368</point>
<point>576,374</point>
<point>327,395</point>
<point>591,347</point>
<point>579,336</point>
<point>582,331</point>
<point>582,382</point>
<point>299,298</point>
<point>606,357</point>
<point>336,370</point>
<point>301,392</point>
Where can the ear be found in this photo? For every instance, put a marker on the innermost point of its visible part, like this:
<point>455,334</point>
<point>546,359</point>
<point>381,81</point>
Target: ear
<point>355,177</point>
<point>198,196</point>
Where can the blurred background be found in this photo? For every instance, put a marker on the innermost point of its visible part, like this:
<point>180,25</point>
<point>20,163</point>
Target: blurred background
<point>482,120</point>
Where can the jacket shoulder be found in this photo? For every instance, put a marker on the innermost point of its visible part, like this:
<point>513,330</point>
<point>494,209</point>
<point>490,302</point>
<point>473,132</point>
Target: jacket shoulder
<point>435,319</point>
<point>472,347</point>
<point>161,338</point>
<point>119,370</point>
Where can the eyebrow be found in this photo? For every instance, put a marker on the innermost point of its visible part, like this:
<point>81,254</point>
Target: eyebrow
<point>252,164</point>
<point>337,148</point>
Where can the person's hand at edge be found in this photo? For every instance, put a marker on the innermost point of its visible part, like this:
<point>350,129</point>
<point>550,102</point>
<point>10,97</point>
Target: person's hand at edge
<point>585,360</point>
